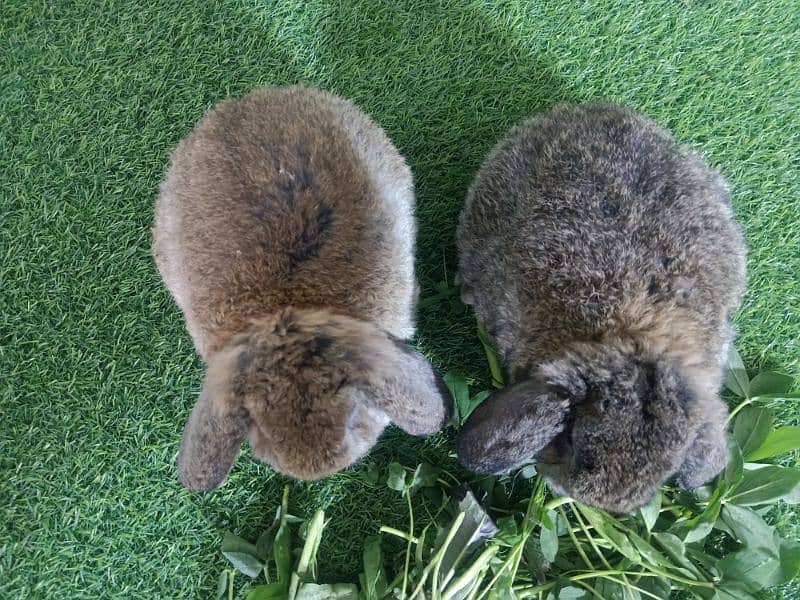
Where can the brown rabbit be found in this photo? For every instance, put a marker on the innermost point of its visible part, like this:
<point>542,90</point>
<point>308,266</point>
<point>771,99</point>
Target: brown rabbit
<point>284,230</point>
<point>605,261</point>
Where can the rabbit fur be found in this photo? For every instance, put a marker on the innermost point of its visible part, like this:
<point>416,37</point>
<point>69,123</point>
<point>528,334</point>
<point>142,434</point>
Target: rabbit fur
<point>604,260</point>
<point>284,230</point>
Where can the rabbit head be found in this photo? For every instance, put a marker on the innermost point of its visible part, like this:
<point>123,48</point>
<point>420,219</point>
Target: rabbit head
<point>313,391</point>
<point>606,426</point>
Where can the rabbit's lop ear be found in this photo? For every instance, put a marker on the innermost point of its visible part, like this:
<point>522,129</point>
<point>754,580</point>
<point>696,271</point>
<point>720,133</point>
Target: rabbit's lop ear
<point>706,456</point>
<point>213,434</point>
<point>511,427</point>
<point>410,392</point>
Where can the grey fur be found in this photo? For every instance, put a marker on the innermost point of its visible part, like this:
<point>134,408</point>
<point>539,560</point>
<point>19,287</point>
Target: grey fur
<point>604,260</point>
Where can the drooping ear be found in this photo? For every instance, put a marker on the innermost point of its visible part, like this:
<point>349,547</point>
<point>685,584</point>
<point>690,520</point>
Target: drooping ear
<point>511,427</point>
<point>409,391</point>
<point>706,456</point>
<point>213,434</point>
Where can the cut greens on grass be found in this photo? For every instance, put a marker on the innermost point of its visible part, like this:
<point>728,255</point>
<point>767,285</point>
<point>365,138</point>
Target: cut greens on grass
<point>478,542</point>
<point>97,373</point>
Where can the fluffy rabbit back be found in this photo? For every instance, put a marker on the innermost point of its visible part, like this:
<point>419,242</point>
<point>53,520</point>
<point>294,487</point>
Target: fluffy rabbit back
<point>285,232</point>
<point>288,196</point>
<point>604,260</point>
<point>590,219</point>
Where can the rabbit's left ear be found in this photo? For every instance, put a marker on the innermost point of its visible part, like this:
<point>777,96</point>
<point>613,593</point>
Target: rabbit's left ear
<point>706,456</point>
<point>512,427</point>
<point>215,429</point>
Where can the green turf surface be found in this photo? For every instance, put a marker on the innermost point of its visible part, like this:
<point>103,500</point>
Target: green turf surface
<point>96,372</point>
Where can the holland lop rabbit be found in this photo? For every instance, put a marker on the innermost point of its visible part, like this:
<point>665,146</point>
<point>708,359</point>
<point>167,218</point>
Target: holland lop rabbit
<point>284,230</point>
<point>604,260</point>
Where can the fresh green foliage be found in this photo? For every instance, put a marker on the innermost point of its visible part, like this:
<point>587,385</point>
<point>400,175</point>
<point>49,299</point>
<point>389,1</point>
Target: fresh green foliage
<point>557,548</point>
<point>97,373</point>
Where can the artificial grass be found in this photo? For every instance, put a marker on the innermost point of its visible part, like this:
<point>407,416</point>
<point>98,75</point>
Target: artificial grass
<point>98,374</point>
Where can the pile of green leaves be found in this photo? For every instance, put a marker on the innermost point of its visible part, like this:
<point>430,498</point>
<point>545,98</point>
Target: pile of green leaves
<point>480,542</point>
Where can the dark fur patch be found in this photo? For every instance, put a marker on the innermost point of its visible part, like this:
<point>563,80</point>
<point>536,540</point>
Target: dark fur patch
<point>609,208</point>
<point>321,344</point>
<point>315,231</point>
<point>652,287</point>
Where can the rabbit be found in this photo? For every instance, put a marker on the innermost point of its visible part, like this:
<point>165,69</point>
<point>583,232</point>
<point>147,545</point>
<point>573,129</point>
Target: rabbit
<point>284,230</point>
<point>605,263</point>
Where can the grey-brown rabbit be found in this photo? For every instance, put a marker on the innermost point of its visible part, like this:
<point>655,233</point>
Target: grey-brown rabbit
<point>284,230</point>
<point>604,260</point>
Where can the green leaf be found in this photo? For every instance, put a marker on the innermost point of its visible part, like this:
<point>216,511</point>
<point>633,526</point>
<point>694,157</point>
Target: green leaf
<point>732,590</point>
<point>648,552</point>
<point>282,551</point>
<point>474,403</point>
<point>372,475</point>
<point>610,590</point>
<point>790,563</point>
<point>734,468</point>
<point>572,593</point>
<point>425,475</point>
<point>509,531</point>
<point>269,591</point>
<point>748,527</point>
<point>650,511</point>
<point>752,427</point>
<point>459,390</point>
<point>548,538</point>
<point>697,528</point>
<point>306,565</point>
<point>265,543</point>
<point>222,585</point>
<point>495,367</point>
<point>336,591</point>
<point>698,532</point>
<point>606,526</point>
<point>658,586</point>
<point>752,566</point>
<point>770,383</point>
<point>783,439</point>
<point>374,575</point>
<point>245,563</point>
<point>755,565</point>
<point>233,543</point>
<point>674,548</point>
<point>397,477</point>
<point>766,485</point>
<point>475,528</point>
<point>736,379</point>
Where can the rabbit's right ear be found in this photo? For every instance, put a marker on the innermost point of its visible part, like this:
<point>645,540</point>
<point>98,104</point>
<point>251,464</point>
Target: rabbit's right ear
<point>511,427</point>
<point>213,434</point>
<point>706,456</point>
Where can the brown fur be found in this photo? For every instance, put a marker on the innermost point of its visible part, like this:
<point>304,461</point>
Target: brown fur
<point>605,261</point>
<point>284,230</point>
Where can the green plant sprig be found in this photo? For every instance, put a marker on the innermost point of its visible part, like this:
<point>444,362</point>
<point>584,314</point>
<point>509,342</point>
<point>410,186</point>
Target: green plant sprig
<point>556,548</point>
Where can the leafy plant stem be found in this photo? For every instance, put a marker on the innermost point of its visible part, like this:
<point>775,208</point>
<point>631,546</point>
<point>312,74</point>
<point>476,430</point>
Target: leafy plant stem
<point>397,533</point>
<point>407,494</point>
<point>436,561</point>
<point>738,408</point>
<point>575,542</point>
<point>528,525</point>
<point>589,589</point>
<point>480,564</point>
<point>231,575</point>
<point>589,537</point>
<point>628,585</point>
